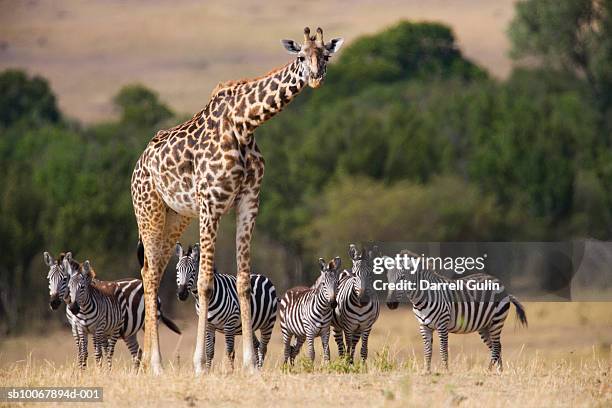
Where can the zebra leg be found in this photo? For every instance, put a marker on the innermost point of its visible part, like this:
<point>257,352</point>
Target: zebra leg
<point>135,351</point>
<point>338,336</point>
<point>443,334</point>
<point>325,342</point>
<point>210,347</point>
<point>256,345</point>
<point>288,349</point>
<point>295,350</point>
<point>364,345</point>
<point>427,334</point>
<point>484,335</point>
<point>311,351</point>
<point>110,348</point>
<point>229,348</point>
<point>353,339</point>
<point>99,343</point>
<point>496,349</point>
<point>82,349</point>
<point>266,334</point>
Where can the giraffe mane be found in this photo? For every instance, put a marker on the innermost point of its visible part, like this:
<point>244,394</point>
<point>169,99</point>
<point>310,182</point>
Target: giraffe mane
<point>232,83</point>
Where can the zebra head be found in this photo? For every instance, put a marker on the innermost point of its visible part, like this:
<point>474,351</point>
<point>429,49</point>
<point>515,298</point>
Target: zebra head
<point>328,281</point>
<point>78,285</point>
<point>362,270</point>
<point>187,270</point>
<point>394,276</point>
<point>58,280</point>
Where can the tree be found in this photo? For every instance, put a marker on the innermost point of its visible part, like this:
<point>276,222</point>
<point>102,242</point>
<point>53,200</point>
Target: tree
<point>141,106</point>
<point>26,99</point>
<point>571,35</point>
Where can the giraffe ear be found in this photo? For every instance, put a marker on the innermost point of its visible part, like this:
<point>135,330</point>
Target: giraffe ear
<point>334,45</point>
<point>48,259</point>
<point>291,46</point>
<point>179,250</point>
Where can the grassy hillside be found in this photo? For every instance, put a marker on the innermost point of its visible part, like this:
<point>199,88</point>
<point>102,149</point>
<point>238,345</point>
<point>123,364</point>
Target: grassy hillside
<point>182,49</point>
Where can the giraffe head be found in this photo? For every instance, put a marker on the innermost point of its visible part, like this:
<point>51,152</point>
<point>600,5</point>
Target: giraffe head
<point>313,55</point>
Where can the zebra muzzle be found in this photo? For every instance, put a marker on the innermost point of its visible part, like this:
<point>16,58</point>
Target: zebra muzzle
<point>392,305</point>
<point>182,292</point>
<point>74,308</point>
<point>54,302</point>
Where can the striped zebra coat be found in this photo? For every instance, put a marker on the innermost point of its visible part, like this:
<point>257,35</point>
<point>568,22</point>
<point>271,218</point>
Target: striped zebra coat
<point>224,306</point>
<point>98,310</point>
<point>306,313</point>
<point>131,288</point>
<point>460,311</point>
<point>358,308</point>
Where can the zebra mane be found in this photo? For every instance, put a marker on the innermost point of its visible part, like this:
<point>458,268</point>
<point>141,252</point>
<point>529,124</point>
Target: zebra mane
<point>105,288</point>
<point>74,264</point>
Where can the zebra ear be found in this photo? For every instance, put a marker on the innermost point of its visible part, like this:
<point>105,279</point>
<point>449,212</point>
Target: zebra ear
<point>67,267</point>
<point>68,256</point>
<point>48,259</point>
<point>353,252</point>
<point>337,263</point>
<point>179,250</point>
<point>322,264</point>
<point>195,251</point>
<point>86,268</point>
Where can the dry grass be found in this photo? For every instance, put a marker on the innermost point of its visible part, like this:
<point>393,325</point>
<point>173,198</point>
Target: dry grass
<point>184,48</point>
<point>562,359</point>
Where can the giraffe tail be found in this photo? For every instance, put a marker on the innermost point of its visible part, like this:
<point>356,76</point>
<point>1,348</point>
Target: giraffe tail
<point>140,252</point>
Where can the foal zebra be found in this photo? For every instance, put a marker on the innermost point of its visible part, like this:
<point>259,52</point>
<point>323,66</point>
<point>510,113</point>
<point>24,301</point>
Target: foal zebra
<point>306,313</point>
<point>224,307</point>
<point>456,311</point>
<point>357,308</point>
<point>133,292</point>
<point>98,310</point>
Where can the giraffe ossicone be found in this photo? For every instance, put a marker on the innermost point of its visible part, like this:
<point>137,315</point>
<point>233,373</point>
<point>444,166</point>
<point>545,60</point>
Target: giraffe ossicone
<point>206,166</point>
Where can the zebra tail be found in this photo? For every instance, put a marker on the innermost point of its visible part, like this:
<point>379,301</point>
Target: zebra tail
<point>170,324</point>
<point>140,252</point>
<point>520,310</point>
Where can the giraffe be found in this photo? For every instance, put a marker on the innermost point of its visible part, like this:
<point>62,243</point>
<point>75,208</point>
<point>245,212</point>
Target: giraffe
<point>203,168</point>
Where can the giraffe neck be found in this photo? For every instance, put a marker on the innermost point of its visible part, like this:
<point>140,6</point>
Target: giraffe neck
<point>259,99</point>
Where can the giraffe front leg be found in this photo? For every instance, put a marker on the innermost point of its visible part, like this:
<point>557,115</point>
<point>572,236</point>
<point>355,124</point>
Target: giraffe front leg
<point>246,212</point>
<point>208,235</point>
<point>427,335</point>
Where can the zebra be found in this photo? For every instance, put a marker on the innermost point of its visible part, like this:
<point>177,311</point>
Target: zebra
<point>455,311</point>
<point>357,308</point>
<point>99,309</point>
<point>133,292</point>
<point>306,313</point>
<point>224,307</point>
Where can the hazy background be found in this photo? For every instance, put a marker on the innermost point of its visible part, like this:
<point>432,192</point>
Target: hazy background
<point>450,121</point>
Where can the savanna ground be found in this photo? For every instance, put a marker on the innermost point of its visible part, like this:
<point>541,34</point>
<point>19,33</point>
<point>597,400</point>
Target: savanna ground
<point>562,359</point>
